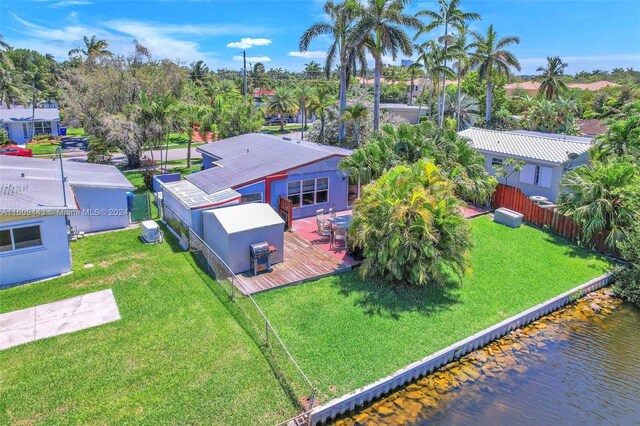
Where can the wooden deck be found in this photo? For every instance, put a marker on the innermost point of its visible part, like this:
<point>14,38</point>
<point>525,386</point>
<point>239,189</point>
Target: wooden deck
<point>303,261</point>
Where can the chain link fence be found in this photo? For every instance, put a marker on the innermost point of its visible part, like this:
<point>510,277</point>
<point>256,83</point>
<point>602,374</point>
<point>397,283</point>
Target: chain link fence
<point>291,376</point>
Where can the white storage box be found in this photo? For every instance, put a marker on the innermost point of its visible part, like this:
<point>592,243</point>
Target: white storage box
<point>150,231</point>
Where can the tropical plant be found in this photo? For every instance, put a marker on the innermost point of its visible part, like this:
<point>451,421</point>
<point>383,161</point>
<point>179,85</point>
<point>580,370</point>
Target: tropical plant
<point>199,72</point>
<point>194,119</point>
<point>342,20</point>
<point>355,114</point>
<point>431,60</point>
<point>381,31</point>
<point>595,196</point>
<point>283,101</point>
<point>462,67</point>
<point>410,229</point>
<point>491,57</point>
<point>320,101</point>
<point>448,15</point>
<point>547,116</point>
<point>507,168</point>
<point>11,90</point>
<point>239,116</point>
<point>313,69</point>
<point>627,280</point>
<point>94,48</point>
<point>622,138</point>
<point>551,78</point>
<point>463,108</point>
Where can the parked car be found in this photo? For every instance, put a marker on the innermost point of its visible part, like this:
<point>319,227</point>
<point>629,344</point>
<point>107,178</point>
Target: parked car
<point>16,151</point>
<point>273,121</point>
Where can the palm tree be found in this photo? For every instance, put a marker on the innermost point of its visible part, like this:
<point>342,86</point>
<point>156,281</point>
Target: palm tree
<point>320,102</point>
<point>313,69</point>
<point>431,59</point>
<point>622,138</point>
<point>94,49</point>
<point>199,72</point>
<point>462,65</point>
<point>10,91</point>
<point>551,83</point>
<point>415,71</point>
<point>381,31</point>
<point>356,113</point>
<point>448,15</point>
<point>409,227</point>
<point>594,196</point>
<point>490,56</point>
<point>463,108</point>
<point>192,116</point>
<point>258,77</point>
<point>283,101</point>
<point>5,61</point>
<point>341,16</point>
<point>304,95</point>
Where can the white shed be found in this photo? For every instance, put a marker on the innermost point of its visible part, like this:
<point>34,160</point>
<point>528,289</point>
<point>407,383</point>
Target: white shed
<point>230,231</point>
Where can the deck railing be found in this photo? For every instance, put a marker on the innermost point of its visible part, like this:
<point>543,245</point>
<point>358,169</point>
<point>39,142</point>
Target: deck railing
<point>256,323</point>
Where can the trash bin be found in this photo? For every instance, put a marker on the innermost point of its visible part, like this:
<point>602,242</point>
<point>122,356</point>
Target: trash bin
<point>63,131</point>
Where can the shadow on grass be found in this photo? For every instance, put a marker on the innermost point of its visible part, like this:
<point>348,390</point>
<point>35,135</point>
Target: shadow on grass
<point>572,249</point>
<point>381,298</point>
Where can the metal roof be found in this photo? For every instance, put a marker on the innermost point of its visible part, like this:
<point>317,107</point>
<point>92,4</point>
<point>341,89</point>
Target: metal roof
<point>29,195</point>
<point>581,139</point>
<point>193,197</point>
<point>523,146</point>
<point>24,114</point>
<point>245,217</point>
<point>77,173</point>
<point>247,158</point>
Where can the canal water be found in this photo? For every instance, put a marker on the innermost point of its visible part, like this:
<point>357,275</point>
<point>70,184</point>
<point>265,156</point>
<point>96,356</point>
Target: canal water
<point>580,365</point>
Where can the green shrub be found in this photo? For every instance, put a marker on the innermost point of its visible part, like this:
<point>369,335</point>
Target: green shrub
<point>627,283</point>
<point>4,137</point>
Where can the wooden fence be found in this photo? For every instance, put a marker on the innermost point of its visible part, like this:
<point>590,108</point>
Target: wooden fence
<point>514,199</point>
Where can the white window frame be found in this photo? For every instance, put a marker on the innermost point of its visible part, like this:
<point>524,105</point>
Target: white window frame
<point>13,239</point>
<point>250,194</point>
<point>301,193</point>
<point>39,127</point>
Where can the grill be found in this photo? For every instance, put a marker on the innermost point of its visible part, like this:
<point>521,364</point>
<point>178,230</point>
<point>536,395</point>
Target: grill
<point>260,257</point>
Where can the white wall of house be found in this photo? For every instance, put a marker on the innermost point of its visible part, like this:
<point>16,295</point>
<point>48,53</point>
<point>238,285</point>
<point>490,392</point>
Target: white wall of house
<point>535,178</point>
<point>20,133</point>
<point>101,209</point>
<point>49,257</point>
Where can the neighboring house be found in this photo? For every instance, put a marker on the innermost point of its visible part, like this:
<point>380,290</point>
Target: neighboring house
<point>34,241</point>
<point>547,157</point>
<point>592,127</point>
<point>17,121</point>
<point>259,168</point>
<point>100,191</point>
<point>409,113</point>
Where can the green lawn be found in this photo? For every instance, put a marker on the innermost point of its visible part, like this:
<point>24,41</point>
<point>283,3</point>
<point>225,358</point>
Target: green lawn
<point>288,128</point>
<point>45,148</point>
<point>177,356</point>
<point>346,332</point>
<point>78,131</point>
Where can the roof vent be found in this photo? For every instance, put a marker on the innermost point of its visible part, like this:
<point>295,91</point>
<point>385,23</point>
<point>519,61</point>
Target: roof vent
<point>21,174</point>
<point>572,155</point>
<point>247,150</point>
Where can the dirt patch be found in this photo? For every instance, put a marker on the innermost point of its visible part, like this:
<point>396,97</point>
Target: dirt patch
<point>107,263</point>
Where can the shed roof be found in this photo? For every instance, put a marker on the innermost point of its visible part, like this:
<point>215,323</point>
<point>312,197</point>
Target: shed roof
<point>253,156</point>
<point>24,114</point>
<point>28,195</point>
<point>193,197</point>
<point>77,173</point>
<point>524,146</point>
<point>245,217</point>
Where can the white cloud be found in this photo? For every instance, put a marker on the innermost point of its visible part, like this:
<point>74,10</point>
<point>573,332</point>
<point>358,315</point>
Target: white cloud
<point>253,59</point>
<point>309,54</point>
<point>64,3</point>
<point>248,42</point>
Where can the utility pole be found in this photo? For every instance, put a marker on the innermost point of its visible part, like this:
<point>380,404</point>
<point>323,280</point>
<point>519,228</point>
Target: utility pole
<point>244,72</point>
<point>33,108</point>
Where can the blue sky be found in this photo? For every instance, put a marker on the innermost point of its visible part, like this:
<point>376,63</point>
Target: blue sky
<point>587,34</point>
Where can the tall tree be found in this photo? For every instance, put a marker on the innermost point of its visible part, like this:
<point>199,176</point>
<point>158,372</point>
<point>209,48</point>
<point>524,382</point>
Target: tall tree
<point>312,69</point>
<point>448,15</point>
<point>431,60</point>
<point>199,72</point>
<point>94,48</point>
<point>283,101</point>
<point>551,78</point>
<point>320,102</point>
<point>622,138</point>
<point>194,118</point>
<point>381,31</point>
<point>490,56</point>
<point>341,22</point>
<point>356,113</point>
<point>462,65</point>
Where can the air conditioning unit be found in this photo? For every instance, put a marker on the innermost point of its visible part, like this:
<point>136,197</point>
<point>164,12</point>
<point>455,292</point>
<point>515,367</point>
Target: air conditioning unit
<point>150,231</point>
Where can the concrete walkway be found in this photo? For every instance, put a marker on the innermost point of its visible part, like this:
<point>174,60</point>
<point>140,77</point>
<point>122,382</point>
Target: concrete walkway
<point>52,319</point>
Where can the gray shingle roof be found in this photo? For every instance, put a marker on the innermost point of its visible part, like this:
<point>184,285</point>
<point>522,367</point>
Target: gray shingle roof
<point>524,146</point>
<point>77,173</point>
<point>24,114</point>
<point>246,158</point>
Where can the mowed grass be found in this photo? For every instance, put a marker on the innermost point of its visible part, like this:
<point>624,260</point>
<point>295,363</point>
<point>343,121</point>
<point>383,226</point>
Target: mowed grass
<point>346,332</point>
<point>177,356</point>
<point>43,148</point>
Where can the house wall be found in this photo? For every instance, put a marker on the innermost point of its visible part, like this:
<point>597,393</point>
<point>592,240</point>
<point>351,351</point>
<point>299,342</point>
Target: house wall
<point>101,209</point>
<point>514,180</point>
<point>252,189</point>
<point>207,161</point>
<point>50,259</point>
<point>16,131</point>
<point>174,210</point>
<point>338,187</point>
<point>233,249</point>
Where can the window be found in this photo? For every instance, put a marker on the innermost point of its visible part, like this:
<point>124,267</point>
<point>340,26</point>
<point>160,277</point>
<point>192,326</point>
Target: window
<point>308,192</point>
<point>533,174</point>
<point>496,162</point>
<point>256,197</point>
<point>19,238</point>
<point>42,127</point>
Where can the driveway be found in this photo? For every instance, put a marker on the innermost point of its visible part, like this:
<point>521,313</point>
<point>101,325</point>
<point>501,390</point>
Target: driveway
<point>72,145</point>
<point>53,319</point>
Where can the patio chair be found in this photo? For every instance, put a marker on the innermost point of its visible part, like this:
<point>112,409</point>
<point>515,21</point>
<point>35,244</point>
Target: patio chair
<point>320,214</point>
<point>324,227</point>
<point>332,213</point>
<point>339,234</point>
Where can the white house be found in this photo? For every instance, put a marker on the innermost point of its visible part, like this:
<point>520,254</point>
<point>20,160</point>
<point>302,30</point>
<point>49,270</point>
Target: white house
<point>547,157</point>
<point>411,113</point>
<point>17,122</point>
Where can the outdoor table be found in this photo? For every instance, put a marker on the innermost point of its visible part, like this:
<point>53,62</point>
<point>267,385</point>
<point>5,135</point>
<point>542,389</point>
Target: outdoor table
<point>538,198</point>
<point>341,221</point>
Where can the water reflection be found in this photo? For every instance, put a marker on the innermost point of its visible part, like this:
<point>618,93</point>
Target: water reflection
<point>580,365</point>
